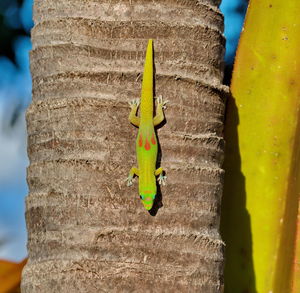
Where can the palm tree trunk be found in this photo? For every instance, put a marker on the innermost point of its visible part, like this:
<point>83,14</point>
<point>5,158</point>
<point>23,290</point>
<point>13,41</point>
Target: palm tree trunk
<point>88,232</point>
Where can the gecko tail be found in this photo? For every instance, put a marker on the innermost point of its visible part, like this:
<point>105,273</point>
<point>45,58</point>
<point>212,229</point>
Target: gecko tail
<point>147,85</point>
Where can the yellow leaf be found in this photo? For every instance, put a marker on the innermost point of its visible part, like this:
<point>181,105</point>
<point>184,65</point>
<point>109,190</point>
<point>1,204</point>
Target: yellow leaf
<point>262,181</point>
<point>10,276</point>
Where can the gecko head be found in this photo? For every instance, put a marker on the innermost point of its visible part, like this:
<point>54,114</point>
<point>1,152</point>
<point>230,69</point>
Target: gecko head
<point>147,200</point>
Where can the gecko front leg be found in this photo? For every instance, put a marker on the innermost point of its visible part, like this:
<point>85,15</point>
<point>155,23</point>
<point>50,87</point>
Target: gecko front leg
<point>133,171</point>
<point>162,179</point>
<point>133,118</point>
<point>159,117</point>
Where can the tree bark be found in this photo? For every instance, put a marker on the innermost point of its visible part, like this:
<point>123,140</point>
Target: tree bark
<point>88,231</point>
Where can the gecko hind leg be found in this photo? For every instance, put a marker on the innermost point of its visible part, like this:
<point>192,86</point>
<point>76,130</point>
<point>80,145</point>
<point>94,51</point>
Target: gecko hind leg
<point>159,117</point>
<point>133,118</point>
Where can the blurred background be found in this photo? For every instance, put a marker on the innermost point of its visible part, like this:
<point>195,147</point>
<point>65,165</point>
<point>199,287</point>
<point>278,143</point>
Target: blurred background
<point>15,96</point>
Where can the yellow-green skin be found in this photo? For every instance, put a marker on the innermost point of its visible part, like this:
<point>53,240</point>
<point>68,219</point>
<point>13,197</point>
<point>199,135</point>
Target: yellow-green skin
<point>146,143</point>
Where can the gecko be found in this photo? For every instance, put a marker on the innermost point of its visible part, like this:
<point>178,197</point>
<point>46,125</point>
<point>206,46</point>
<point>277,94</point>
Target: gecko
<point>146,142</point>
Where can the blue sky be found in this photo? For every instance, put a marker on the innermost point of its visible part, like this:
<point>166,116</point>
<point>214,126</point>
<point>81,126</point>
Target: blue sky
<point>234,11</point>
<point>15,94</point>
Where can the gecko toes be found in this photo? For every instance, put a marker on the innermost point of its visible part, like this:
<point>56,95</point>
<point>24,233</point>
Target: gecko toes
<point>134,103</point>
<point>129,180</point>
<point>161,102</point>
<point>162,180</point>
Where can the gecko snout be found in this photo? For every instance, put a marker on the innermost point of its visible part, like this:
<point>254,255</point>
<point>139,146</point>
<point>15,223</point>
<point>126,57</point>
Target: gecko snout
<point>147,201</point>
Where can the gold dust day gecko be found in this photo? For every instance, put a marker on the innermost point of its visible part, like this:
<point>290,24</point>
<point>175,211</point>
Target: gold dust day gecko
<point>146,142</point>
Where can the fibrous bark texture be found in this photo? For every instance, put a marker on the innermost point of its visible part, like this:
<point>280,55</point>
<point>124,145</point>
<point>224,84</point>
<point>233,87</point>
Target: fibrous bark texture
<point>88,232</point>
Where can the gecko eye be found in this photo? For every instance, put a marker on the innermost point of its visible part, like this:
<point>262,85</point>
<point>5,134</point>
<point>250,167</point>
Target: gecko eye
<point>141,197</point>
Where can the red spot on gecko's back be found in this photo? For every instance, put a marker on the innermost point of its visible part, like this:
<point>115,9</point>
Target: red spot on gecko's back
<point>153,141</point>
<point>140,141</point>
<point>147,145</point>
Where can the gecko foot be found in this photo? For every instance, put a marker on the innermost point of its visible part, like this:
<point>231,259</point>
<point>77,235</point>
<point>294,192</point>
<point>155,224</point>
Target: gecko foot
<point>161,102</point>
<point>162,179</point>
<point>134,103</point>
<point>129,180</point>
